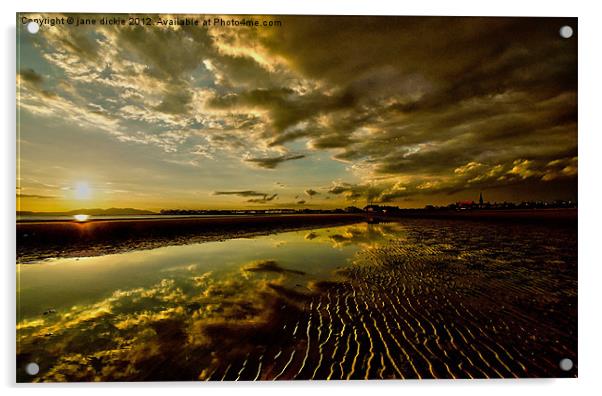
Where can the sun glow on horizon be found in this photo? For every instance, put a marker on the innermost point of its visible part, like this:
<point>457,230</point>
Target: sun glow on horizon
<point>81,217</point>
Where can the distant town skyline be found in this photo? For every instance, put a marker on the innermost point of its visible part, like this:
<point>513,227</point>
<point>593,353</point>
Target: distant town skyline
<point>319,112</point>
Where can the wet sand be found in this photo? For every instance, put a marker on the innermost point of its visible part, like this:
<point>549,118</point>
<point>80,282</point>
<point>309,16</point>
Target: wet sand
<point>38,240</point>
<point>424,309</point>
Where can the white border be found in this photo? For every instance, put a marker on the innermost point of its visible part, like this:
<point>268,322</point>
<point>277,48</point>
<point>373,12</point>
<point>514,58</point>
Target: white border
<point>590,195</point>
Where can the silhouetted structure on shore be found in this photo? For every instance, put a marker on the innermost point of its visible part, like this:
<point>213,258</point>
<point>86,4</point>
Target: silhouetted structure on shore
<point>472,205</point>
<point>382,209</point>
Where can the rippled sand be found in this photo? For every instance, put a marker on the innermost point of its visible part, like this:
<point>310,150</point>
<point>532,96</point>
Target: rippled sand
<point>428,299</point>
<point>419,308</point>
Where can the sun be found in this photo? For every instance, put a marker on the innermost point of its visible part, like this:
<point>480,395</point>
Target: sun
<point>82,191</point>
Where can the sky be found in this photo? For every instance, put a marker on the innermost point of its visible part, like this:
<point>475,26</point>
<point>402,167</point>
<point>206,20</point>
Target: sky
<point>320,112</point>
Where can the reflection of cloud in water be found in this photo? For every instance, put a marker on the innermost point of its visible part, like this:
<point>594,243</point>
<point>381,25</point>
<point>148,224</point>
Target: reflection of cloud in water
<point>189,268</point>
<point>140,333</point>
<point>202,280</point>
<point>269,266</point>
<point>30,323</point>
<point>132,333</point>
<point>120,302</point>
<point>311,235</point>
<point>366,235</point>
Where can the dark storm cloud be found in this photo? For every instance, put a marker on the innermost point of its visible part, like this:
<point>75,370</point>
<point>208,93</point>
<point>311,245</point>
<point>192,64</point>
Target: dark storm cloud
<point>415,106</point>
<point>241,70</point>
<point>365,54</point>
<point>172,55</point>
<point>265,199</point>
<point>285,107</point>
<point>175,102</point>
<point>354,192</point>
<point>81,43</point>
<point>245,193</point>
<point>168,54</point>
<point>311,192</point>
<point>36,196</point>
<point>522,175</point>
<point>273,162</point>
<point>420,97</point>
<point>31,76</point>
<point>32,79</point>
<point>443,93</point>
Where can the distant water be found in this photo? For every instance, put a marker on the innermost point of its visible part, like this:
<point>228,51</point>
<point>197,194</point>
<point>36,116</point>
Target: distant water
<point>117,217</point>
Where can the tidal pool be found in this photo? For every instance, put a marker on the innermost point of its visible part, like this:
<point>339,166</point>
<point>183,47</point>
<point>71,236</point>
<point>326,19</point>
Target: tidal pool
<point>61,284</point>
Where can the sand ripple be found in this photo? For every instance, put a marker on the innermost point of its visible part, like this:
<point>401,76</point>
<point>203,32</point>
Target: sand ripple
<point>418,309</point>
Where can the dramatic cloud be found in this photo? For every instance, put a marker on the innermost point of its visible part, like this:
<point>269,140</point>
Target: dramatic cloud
<point>34,196</point>
<point>246,193</point>
<point>386,109</point>
<point>263,200</point>
<point>30,76</point>
<point>439,112</point>
<point>263,197</point>
<point>273,162</point>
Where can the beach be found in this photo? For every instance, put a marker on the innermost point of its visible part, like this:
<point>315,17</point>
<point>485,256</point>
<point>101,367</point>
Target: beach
<point>405,299</point>
<point>58,238</point>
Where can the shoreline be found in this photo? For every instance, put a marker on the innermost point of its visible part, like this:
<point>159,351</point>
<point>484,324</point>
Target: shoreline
<point>557,215</point>
<point>40,240</point>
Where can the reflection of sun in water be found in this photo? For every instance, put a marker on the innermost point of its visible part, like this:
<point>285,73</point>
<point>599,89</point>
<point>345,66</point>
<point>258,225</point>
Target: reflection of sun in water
<point>82,190</point>
<point>81,217</point>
